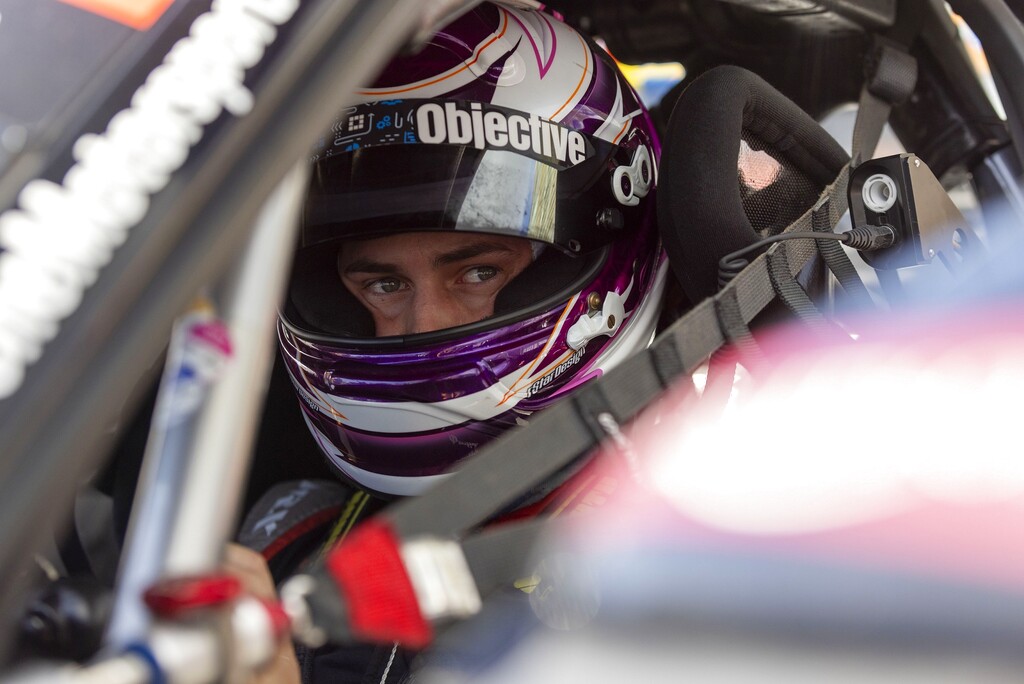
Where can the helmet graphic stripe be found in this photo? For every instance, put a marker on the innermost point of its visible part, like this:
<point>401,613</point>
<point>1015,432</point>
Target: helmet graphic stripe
<point>543,352</point>
<point>542,66</point>
<point>621,131</point>
<point>583,77</point>
<point>466,65</point>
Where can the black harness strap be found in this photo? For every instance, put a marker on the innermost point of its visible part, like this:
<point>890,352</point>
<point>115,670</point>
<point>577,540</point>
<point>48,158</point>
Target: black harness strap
<point>499,555</point>
<point>667,362</point>
<point>736,331</point>
<point>702,337</point>
<point>590,406</point>
<point>836,259</point>
<point>497,475</point>
<point>891,74</point>
<point>890,78</point>
<point>790,291</point>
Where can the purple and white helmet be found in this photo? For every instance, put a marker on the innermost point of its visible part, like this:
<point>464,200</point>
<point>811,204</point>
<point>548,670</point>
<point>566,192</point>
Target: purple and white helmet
<point>508,122</point>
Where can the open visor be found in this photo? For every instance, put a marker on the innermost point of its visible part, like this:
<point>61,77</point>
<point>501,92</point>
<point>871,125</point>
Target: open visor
<point>508,173</point>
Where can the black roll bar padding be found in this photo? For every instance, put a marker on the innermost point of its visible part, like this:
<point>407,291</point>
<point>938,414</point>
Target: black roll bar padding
<point>1001,33</point>
<point>700,209</point>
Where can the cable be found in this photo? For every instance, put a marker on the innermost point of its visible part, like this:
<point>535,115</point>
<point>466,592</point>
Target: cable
<point>861,238</point>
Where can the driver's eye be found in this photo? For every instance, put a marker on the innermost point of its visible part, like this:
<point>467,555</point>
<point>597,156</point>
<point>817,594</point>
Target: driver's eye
<point>479,274</point>
<point>385,285</point>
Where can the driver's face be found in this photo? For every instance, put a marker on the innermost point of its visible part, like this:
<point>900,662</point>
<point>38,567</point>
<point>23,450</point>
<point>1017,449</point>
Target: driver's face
<point>419,282</point>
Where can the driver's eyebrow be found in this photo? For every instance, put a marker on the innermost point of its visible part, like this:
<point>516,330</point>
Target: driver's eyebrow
<point>368,266</point>
<point>470,251</point>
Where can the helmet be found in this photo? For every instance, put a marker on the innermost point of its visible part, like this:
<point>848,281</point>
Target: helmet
<point>507,122</point>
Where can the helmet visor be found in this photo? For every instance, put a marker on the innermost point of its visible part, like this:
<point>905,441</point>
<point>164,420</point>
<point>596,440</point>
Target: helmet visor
<point>527,177</point>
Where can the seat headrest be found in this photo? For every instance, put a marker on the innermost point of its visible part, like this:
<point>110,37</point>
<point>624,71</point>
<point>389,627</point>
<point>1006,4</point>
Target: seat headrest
<point>740,162</point>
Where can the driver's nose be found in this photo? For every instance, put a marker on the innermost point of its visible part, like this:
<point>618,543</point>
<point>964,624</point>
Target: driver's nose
<point>436,308</point>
